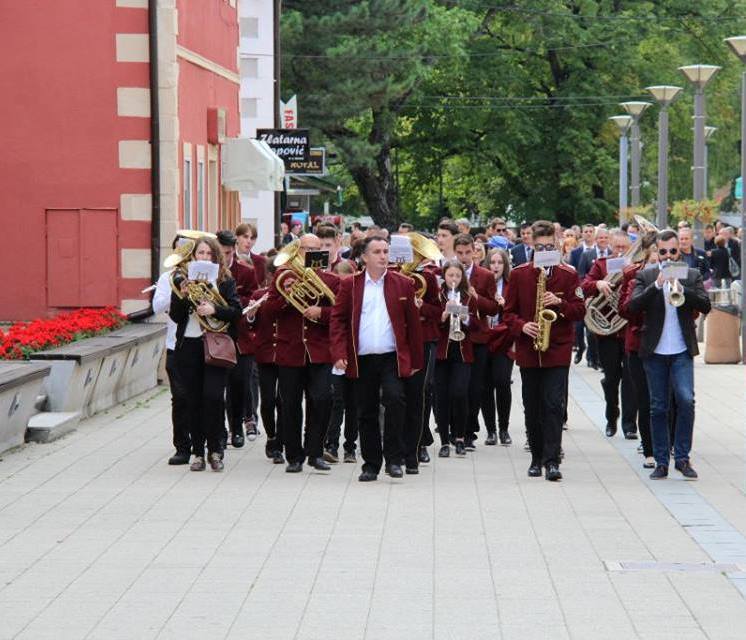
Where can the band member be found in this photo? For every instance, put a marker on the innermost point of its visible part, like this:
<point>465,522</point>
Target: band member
<point>611,347</point>
<point>304,362</point>
<point>331,240</point>
<point>497,396</point>
<point>544,372</point>
<point>239,402</point>
<point>482,288</point>
<point>668,344</point>
<point>376,338</point>
<point>204,384</point>
<point>632,345</point>
<point>446,234</point>
<point>454,358</point>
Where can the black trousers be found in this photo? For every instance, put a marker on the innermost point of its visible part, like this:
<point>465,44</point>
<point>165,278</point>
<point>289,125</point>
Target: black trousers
<point>315,381</point>
<point>415,388</point>
<point>580,336</point>
<point>343,410</point>
<point>613,363</point>
<point>476,384</point>
<point>179,409</point>
<point>426,435</point>
<point>592,352</point>
<point>252,400</point>
<point>205,389</point>
<point>270,405</point>
<point>238,397</point>
<point>497,396</point>
<point>452,384</point>
<point>379,383</point>
<point>640,381</point>
<point>544,402</point>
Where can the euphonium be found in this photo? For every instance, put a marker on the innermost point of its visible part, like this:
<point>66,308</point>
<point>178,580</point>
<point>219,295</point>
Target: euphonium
<point>198,291</point>
<point>543,317</point>
<point>423,249</point>
<point>307,288</point>
<point>455,332</point>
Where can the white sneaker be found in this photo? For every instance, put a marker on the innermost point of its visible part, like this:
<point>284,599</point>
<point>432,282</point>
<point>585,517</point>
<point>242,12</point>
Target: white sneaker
<point>649,463</point>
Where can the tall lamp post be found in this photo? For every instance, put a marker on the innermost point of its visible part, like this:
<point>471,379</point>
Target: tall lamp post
<point>664,96</point>
<point>738,46</point>
<point>699,75</point>
<point>635,109</point>
<point>709,132</point>
<point>623,123</point>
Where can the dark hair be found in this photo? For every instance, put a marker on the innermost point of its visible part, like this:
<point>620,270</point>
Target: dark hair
<point>244,228</point>
<point>481,237</point>
<point>407,226</point>
<point>506,261</point>
<point>226,238</point>
<point>327,231</point>
<point>589,225</point>
<point>450,226</point>
<point>526,225</point>
<point>542,228</point>
<point>625,226</point>
<point>217,256</point>
<point>463,239</point>
<point>666,235</point>
<point>463,287</point>
<point>495,221</point>
<point>365,243</point>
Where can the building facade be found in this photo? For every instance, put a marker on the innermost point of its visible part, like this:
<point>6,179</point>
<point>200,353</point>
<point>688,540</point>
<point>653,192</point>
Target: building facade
<point>76,178</point>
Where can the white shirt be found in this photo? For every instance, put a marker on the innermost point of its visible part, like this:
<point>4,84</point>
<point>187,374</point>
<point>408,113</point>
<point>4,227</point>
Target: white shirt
<point>468,272</point>
<point>495,320</point>
<point>376,335</point>
<point>162,303</point>
<point>672,340</point>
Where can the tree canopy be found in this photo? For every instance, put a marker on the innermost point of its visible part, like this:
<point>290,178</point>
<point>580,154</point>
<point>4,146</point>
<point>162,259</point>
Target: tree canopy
<point>490,107</point>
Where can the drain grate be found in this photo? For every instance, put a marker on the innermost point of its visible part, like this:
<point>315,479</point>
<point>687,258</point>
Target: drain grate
<point>687,567</point>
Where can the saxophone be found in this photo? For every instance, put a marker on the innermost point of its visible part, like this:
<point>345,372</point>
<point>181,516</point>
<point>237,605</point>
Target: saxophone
<point>543,317</point>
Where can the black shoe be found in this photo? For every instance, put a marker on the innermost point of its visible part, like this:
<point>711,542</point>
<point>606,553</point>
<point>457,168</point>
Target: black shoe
<point>491,439</point>
<point>367,476</point>
<point>460,448</point>
<point>294,467</point>
<point>470,444</point>
<point>331,455</point>
<point>394,470</point>
<point>270,447</point>
<point>445,451</point>
<point>237,439</point>
<point>610,429</point>
<point>630,435</point>
<point>350,457</point>
<point>251,431</point>
<point>505,439</point>
<point>180,457</point>
<point>685,469</point>
<point>534,471</point>
<point>412,471</point>
<point>423,456</point>
<point>660,472</point>
<point>277,457</point>
<point>319,464</point>
<point>553,473</point>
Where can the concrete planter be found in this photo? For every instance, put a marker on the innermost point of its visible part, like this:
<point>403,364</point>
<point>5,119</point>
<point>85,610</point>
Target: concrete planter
<point>20,384</point>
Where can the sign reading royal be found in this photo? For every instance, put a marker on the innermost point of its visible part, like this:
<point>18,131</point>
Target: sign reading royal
<point>314,166</point>
<point>291,145</point>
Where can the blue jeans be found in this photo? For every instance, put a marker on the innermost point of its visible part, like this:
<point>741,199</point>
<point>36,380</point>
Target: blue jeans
<point>665,374</point>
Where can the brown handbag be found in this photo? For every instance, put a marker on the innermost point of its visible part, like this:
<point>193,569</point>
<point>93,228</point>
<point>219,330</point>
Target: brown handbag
<point>220,350</point>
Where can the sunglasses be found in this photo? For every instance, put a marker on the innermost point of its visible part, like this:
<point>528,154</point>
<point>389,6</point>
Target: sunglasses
<point>500,230</point>
<point>672,252</point>
<point>544,247</point>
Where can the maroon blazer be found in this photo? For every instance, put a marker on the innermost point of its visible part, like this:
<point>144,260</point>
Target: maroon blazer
<point>633,329</point>
<point>466,345</point>
<point>299,341</point>
<point>405,320</point>
<point>245,287</point>
<point>484,284</point>
<point>260,265</point>
<point>520,308</point>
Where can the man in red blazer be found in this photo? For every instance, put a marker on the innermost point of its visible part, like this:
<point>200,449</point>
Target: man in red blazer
<point>304,365</point>
<point>376,338</point>
<point>544,374</point>
<point>482,287</point>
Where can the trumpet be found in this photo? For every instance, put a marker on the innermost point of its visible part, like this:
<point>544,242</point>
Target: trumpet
<point>307,288</point>
<point>455,332</point>
<point>675,293</point>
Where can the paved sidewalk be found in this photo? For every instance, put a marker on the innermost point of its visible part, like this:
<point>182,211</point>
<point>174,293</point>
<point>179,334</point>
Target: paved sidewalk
<point>99,538</point>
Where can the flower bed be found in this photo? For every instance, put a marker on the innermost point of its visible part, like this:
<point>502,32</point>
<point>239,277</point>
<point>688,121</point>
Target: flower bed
<point>23,338</point>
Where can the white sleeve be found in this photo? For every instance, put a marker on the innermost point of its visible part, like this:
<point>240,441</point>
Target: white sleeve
<point>162,295</point>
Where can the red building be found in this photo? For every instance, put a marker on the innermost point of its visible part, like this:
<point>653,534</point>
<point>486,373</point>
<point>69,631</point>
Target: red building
<point>78,182</point>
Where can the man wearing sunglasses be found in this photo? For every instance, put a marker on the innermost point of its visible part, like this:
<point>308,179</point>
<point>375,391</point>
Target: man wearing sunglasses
<point>668,345</point>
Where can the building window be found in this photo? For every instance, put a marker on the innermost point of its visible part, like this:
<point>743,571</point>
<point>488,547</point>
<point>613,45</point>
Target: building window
<point>188,193</point>
<point>249,107</point>
<point>249,67</point>
<point>201,195</point>
<point>249,27</point>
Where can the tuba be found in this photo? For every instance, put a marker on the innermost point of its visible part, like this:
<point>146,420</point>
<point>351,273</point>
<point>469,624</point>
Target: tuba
<point>542,316</point>
<point>308,288</point>
<point>602,313</point>
<point>423,250</point>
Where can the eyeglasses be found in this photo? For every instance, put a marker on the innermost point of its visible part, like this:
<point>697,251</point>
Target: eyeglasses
<point>544,247</point>
<point>673,251</point>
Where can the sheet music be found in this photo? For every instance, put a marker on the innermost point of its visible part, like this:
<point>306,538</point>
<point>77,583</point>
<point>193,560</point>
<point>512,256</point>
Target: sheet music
<point>203,270</point>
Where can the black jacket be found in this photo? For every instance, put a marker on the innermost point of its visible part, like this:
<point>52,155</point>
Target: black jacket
<point>181,308</point>
<point>697,259</point>
<point>648,300</point>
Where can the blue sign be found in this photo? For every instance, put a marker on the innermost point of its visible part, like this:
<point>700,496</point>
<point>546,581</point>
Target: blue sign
<point>739,188</point>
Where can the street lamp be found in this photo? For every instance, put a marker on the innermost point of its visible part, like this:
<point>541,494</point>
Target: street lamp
<point>623,123</point>
<point>738,46</point>
<point>664,96</point>
<point>635,109</point>
<point>709,131</point>
<point>699,75</point>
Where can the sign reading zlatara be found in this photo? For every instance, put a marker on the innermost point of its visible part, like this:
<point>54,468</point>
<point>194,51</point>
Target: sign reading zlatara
<point>292,145</point>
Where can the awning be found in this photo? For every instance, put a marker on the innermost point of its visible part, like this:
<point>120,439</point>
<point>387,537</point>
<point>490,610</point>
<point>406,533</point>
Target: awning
<point>250,165</point>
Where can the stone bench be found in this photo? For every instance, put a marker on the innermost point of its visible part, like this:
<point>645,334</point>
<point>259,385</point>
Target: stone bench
<point>20,385</point>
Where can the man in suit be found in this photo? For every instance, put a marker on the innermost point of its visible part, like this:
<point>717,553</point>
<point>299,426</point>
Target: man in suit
<point>523,251</point>
<point>600,250</point>
<point>668,345</point>
<point>587,242</point>
<point>376,338</point>
<point>695,258</point>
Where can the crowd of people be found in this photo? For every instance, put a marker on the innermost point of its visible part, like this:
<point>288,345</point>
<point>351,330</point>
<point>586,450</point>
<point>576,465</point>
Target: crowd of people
<point>358,349</point>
